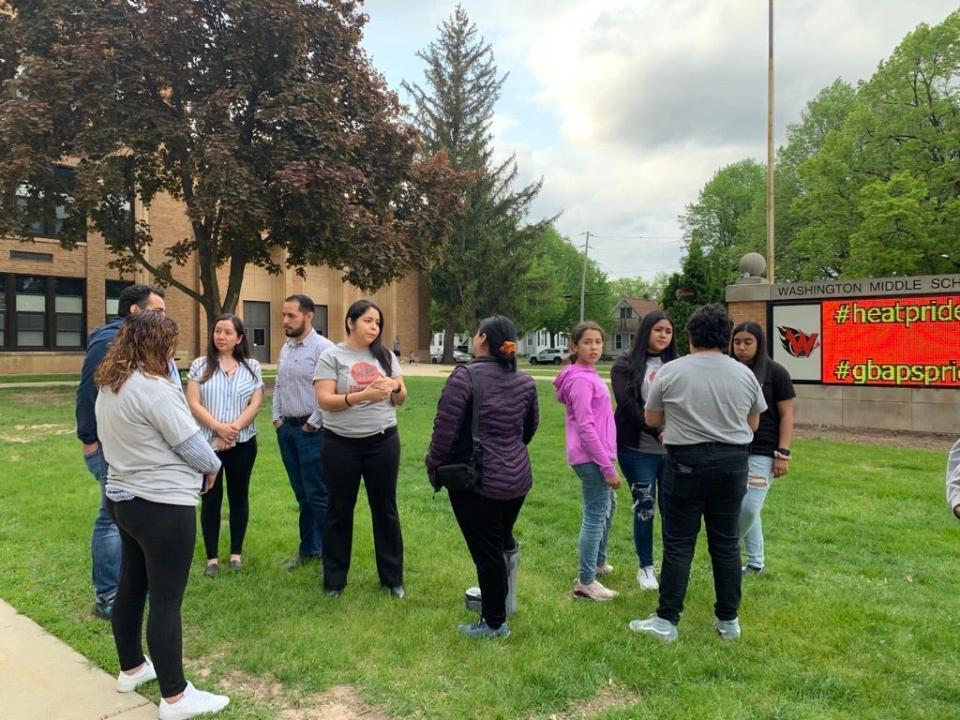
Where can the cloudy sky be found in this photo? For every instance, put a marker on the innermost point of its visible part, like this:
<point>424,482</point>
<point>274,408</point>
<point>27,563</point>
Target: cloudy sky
<point>627,107</point>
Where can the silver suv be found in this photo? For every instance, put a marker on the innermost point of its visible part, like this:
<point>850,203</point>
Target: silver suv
<point>548,355</point>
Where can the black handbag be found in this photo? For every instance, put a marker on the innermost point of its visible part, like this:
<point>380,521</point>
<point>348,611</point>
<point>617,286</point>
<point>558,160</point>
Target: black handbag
<point>465,476</point>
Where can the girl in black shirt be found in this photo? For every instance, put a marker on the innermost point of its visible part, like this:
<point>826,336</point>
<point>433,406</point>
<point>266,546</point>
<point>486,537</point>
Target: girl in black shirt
<point>770,450</point>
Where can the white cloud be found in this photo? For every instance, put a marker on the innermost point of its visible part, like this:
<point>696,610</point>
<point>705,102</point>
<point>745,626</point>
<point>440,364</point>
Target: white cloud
<point>627,107</point>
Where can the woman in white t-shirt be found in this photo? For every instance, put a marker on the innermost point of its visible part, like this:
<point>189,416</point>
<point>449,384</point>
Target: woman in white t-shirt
<point>358,384</point>
<point>225,390</point>
<point>159,463</point>
<point>639,448</point>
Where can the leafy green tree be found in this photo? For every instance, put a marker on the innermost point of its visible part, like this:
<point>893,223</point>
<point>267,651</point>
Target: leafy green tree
<point>884,192</point>
<point>492,249</point>
<point>265,119</point>
<point>722,224</point>
<point>559,310</point>
<point>823,115</point>
<point>638,287</point>
<point>697,283</point>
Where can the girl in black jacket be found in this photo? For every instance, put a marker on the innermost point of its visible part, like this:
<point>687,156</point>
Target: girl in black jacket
<point>639,449</point>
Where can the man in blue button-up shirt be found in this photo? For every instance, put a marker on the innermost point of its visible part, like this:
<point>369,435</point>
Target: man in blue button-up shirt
<point>105,544</point>
<point>297,420</point>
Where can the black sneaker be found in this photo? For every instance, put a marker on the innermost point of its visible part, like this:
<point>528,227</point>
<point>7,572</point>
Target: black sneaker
<point>751,570</point>
<point>103,609</point>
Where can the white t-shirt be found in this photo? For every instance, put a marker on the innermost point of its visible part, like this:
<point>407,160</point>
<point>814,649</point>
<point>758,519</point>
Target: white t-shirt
<point>355,370</point>
<point>647,443</point>
<point>138,428</point>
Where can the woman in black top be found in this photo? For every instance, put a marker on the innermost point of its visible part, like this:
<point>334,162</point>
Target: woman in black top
<point>770,450</point>
<point>639,450</point>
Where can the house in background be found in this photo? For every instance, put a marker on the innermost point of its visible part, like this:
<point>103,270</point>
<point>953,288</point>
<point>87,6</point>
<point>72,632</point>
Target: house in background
<point>534,341</point>
<point>627,314</point>
<point>530,343</point>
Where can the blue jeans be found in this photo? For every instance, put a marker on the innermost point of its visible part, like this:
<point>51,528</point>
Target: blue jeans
<point>599,502</point>
<point>105,542</point>
<point>300,452</point>
<point>759,477</point>
<point>643,472</point>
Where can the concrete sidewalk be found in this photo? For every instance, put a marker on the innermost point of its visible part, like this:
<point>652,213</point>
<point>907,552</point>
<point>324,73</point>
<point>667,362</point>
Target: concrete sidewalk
<point>41,678</point>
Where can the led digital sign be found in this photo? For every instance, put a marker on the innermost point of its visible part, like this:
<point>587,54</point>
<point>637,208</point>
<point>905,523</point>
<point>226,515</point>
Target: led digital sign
<point>893,342</point>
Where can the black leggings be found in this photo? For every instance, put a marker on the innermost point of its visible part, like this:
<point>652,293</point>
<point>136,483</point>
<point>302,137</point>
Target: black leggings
<point>156,550</point>
<point>377,460</point>
<point>237,465</point>
<point>487,526</point>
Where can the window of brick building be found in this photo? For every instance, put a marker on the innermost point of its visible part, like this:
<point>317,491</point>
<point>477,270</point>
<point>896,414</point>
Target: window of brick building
<point>49,221</point>
<point>114,288</point>
<point>41,313</point>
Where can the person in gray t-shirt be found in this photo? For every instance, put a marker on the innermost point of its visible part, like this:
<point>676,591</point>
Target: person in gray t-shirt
<point>709,405</point>
<point>159,464</point>
<point>358,387</point>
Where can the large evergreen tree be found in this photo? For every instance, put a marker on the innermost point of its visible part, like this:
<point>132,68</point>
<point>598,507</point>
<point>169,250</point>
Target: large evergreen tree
<point>492,249</point>
<point>264,118</point>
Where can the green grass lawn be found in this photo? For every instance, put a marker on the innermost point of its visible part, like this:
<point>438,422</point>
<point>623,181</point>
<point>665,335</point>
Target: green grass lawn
<point>856,616</point>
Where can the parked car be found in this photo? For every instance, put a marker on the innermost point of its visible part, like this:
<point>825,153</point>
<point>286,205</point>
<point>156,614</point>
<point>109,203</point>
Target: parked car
<point>459,356</point>
<point>547,356</point>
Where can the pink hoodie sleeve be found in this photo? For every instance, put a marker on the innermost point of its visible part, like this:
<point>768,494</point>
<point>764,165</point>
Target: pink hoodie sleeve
<point>580,396</point>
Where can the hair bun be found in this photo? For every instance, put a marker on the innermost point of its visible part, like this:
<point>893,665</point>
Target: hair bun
<point>509,348</point>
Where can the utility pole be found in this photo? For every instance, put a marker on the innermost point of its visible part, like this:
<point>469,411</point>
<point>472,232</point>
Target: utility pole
<point>770,201</point>
<point>583,276</point>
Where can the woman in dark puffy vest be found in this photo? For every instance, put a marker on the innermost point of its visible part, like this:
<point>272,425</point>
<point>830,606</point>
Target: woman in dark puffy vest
<point>486,513</point>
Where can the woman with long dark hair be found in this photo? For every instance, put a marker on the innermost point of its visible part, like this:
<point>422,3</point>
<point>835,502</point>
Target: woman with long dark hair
<point>224,390</point>
<point>359,385</point>
<point>770,449</point>
<point>159,464</point>
<point>487,512</point>
<point>639,448</point>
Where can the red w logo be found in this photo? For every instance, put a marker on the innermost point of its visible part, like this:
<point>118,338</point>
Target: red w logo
<point>796,342</point>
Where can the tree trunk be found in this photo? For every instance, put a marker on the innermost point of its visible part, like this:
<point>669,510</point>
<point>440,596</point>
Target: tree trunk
<point>448,343</point>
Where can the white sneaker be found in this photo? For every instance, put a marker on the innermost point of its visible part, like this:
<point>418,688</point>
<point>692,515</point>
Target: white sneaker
<point>193,702</point>
<point>593,591</point>
<point>647,578</point>
<point>128,683</point>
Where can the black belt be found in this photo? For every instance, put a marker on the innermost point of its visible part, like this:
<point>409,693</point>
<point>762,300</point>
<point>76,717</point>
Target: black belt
<point>707,446</point>
<point>296,420</point>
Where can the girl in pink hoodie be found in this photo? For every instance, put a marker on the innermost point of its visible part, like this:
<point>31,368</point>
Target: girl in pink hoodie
<point>591,451</point>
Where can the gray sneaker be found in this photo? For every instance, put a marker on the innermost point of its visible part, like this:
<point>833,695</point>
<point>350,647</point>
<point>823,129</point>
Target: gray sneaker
<point>656,626</point>
<point>480,629</point>
<point>728,629</point>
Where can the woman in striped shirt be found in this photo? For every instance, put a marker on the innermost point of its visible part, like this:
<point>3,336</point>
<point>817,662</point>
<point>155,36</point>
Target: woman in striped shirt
<point>224,390</point>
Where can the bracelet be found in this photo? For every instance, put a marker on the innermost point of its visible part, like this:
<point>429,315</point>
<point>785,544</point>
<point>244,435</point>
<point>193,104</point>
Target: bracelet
<point>782,453</point>
<point>345,401</point>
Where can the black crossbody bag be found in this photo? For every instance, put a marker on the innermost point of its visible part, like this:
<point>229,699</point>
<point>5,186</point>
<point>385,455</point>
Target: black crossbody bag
<point>465,476</point>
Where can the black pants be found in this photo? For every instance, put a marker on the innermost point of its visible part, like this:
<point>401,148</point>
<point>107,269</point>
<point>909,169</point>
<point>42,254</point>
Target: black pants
<point>377,460</point>
<point>487,526</point>
<point>237,466</point>
<point>156,550</point>
<point>705,480</point>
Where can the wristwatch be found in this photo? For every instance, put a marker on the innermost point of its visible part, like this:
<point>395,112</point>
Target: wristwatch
<point>782,453</point>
